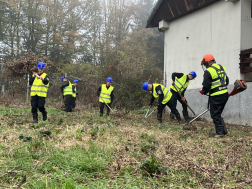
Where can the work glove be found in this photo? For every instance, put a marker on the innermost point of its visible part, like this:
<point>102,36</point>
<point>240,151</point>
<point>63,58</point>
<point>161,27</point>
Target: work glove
<point>201,92</point>
<point>39,77</point>
<point>183,99</point>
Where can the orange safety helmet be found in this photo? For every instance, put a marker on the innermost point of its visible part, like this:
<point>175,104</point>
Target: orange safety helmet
<point>207,58</point>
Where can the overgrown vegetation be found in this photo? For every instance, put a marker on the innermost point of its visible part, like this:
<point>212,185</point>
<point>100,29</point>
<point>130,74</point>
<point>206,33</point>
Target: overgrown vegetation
<point>83,150</point>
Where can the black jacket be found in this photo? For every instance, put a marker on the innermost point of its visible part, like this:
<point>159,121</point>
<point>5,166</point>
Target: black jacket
<point>65,84</point>
<point>178,75</point>
<point>160,93</point>
<point>45,80</point>
<point>207,82</point>
<point>111,95</point>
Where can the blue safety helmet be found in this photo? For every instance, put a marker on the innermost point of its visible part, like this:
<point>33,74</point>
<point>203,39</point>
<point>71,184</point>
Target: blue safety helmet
<point>64,78</point>
<point>109,79</point>
<point>76,81</point>
<point>193,73</point>
<point>41,65</point>
<point>145,86</point>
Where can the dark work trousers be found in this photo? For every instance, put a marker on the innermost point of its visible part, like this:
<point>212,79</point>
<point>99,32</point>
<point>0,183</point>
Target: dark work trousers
<point>172,103</point>
<point>37,102</point>
<point>68,102</point>
<point>217,104</point>
<point>102,107</point>
<point>184,106</point>
<point>73,102</point>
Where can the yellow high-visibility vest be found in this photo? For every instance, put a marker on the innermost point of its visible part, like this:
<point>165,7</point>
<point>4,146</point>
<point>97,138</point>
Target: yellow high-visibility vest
<point>74,93</point>
<point>38,87</point>
<point>167,93</point>
<point>217,88</point>
<point>68,90</point>
<point>105,93</point>
<point>180,84</point>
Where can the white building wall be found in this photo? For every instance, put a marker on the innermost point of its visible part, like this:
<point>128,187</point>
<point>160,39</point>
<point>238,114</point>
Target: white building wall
<point>214,30</point>
<point>222,29</point>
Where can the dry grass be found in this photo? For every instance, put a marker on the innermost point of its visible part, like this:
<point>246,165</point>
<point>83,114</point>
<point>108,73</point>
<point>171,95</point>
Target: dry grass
<point>187,159</point>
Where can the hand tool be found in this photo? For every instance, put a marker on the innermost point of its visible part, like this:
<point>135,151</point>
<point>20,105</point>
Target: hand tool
<point>147,111</point>
<point>184,101</point>
<point>148,115</point>
<point>106,104</point>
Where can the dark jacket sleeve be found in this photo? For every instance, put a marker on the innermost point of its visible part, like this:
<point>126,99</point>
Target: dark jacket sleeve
<point>152,100</point>
<point>46,80</point>
<point>99,91</point>
<point>64,84</point>
<point>73,88</point>
<point>183,92</point>
<point>112,96</point>
<point>160,93</point>
<point>175,74</point>
<point>227,80</point>
<point>31,80</point>
<point>207,82</point>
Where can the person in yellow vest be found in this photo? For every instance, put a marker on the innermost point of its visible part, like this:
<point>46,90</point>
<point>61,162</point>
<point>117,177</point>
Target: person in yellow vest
<point>67,91</point>
<point>179,85</point>
<point>106,94</point>
<point>215,83</point>
<point>39,86</point>
<point>166,98</point>
<point>75,83</point>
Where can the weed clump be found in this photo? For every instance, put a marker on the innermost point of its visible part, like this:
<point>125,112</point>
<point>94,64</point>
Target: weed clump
<point>60,121</point>
<point>151,166</point>
<point>94,132</point>
<point>24,138</point>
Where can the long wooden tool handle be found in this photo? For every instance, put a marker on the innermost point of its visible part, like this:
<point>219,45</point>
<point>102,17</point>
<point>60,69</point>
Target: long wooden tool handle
<point>184,101</point>
<point>106,104</point>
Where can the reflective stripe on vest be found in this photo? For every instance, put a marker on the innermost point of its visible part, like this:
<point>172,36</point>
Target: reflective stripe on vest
<point>167,93</point>
<point>180,83</point>
<point>74,93</point>
<point>68,90</point>
<point>217,88</point>
<point>105,93</point>
<point>38,87</point>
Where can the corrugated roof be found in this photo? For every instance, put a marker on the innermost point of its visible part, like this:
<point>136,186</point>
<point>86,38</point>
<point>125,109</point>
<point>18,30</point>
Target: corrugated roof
<point>170,10</point>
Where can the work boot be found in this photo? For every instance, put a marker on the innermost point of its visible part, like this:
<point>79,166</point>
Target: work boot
<point>219,129</point>
<point>172,116</point>
<point>224,125</point>
<point>186,116</point>
<point>107,113</point>
<point>35,121</point>
<point>35,117</point>
<point>217,136</point>
<point>159,120</point>
<point>180,122</point>
<point>44,115</point>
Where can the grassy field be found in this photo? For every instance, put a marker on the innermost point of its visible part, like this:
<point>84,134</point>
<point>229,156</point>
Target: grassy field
<point>83,150</point>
